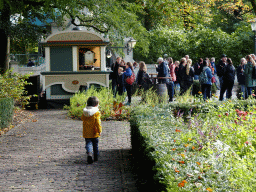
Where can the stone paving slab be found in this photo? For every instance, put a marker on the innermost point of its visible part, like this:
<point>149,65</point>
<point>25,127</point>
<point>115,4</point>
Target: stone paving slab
<point>48,154</point>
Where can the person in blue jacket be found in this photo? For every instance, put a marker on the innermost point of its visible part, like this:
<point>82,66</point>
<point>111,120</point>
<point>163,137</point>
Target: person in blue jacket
<point>127,73</point>
<point>163,71</point>
<point>206,87</point>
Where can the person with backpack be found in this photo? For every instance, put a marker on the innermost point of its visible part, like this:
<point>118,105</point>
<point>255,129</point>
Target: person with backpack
<point>143,80</point>
<point>229,72</point>
<point>250,82</point>
<point>205,78</point>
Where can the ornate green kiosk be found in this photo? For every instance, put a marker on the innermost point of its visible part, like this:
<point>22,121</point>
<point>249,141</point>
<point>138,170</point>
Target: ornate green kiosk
<point>73,59</point>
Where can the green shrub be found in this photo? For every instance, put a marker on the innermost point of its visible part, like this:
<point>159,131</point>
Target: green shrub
<point>109,106</point>
<point>13,86</point>
<point>6,111</point>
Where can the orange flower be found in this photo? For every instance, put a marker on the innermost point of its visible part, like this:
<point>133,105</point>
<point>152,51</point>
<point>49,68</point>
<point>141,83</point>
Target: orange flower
<point>186,145</point>
<point>184,181</point>
<point>182,155</point>
<point>189,139</point>
<point>177,130</point>
<point>176,170</point>
<point>174,140</point>
<point>193,147</point>
<point>209,189</point>
<point>181,162</point>
<point>181,184</point>
<point>173,149</point>
<point>198,163</point>
<point>173,159</point>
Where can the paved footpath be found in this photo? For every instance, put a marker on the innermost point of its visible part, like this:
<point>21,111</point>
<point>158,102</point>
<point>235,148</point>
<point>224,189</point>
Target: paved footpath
<point>48,154</point>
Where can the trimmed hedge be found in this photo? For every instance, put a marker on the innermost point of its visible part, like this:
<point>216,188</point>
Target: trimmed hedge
<point>193,108</point>
<point>142,147</point>
<point>6,111</point>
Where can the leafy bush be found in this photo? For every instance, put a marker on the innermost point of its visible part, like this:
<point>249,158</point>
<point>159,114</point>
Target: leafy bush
<point>213,151</point>
<point>110,107</point>
<point>13,86</point>
<point>6,111</point>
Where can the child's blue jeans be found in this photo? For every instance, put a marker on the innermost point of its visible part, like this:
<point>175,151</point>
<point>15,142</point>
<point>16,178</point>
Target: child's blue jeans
<point>91,145</point>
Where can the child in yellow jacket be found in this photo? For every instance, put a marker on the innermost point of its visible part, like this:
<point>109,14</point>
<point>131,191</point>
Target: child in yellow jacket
<point>92,128</point>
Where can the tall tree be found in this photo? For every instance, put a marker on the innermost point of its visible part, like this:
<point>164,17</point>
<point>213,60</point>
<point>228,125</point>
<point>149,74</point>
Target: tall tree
<point>114,18</point>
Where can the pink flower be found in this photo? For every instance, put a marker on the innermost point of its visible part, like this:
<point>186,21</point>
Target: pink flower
<point>247,142</point>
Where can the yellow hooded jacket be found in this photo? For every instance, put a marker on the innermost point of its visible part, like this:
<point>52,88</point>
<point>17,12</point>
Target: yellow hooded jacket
<point>91,122</point>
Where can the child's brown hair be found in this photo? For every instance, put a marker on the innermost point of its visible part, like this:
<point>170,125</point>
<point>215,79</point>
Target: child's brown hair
<point>93,101</point>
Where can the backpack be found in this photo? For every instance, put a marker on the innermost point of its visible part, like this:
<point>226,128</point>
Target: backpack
<point>146,78</point>
<point>203,78</point>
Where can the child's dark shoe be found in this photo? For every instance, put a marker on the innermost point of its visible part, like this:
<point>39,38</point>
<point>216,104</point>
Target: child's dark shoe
<point>89,160</point>
<point>95,158</point>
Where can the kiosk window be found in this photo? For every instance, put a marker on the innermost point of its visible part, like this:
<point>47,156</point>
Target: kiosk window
<point>88,59</point>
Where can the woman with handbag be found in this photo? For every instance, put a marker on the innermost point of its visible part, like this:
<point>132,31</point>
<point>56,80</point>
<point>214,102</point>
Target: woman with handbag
<point>129,78</point>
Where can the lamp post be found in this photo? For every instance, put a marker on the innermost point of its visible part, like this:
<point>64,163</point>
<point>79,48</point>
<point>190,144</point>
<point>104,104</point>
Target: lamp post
<point>253,25</point>
<point>108,53</point>
<point>129,46</point>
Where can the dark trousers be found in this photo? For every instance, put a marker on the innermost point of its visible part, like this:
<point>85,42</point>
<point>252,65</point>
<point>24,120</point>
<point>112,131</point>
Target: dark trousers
<point>226,86</point>
<point>114,86</point>
<point>129,92</point>
<point>249,90</point>
<point>120,90</point>
<point>184,86</point>
<point>206,90</point>
<point>170,87</point>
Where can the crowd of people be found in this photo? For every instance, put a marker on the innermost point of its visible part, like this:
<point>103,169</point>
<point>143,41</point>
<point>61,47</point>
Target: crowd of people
<point>179,76</point>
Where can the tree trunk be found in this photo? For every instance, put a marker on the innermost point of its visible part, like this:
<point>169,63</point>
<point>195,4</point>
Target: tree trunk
<point>4,32</point>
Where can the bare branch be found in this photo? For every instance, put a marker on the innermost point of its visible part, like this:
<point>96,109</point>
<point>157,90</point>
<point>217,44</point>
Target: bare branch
<point>88,25</point>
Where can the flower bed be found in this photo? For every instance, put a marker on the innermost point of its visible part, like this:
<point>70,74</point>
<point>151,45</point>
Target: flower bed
<point>213,151</point>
